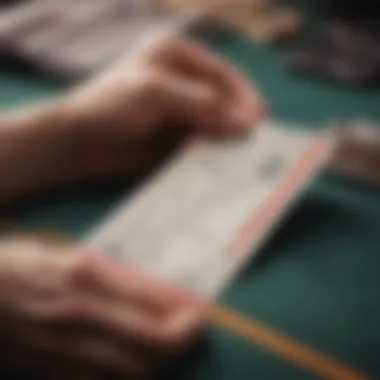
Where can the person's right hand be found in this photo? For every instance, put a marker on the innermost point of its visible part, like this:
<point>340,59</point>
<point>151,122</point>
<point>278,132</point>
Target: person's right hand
<point>74,312</point>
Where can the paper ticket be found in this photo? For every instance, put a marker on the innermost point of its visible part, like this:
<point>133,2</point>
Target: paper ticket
<point>208,211</point>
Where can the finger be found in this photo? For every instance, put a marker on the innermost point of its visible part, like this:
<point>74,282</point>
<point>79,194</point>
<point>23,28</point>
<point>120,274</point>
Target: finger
<point>184,97</point>
<point>195,105</point>
<point>128,285</point>
<point>247,105</point>
<point>130,304</point>
<point>34,361</point>
<point>83,353</point>
<point>120,281</point>
<point>104,355</point>
<point>172,332</point>
<point>54,367</point>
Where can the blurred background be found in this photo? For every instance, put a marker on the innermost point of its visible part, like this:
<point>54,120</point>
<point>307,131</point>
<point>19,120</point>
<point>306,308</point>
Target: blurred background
<point>313,59</point>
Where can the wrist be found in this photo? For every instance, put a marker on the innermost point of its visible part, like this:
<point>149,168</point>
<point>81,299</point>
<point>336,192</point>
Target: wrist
<point>37,149</point>
<point>98,132</point>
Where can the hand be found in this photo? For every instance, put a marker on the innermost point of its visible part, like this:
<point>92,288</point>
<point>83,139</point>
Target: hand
<point>142,106</point>
<point>125,119</point>
<point>63,309</point>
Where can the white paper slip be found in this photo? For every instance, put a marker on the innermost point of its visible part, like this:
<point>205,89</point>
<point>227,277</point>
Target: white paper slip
<point>199,219</point>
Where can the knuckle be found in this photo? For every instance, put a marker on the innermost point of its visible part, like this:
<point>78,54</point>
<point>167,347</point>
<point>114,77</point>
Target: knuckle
<point>80,269</point>
<point>174,338</point>
<point>73,309</point>
<point>71,302</point>
<point>64,309</point>
<point>151,83</point>
<point>181,331</point>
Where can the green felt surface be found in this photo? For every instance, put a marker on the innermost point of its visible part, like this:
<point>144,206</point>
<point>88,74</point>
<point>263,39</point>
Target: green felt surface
<point>318,278</point>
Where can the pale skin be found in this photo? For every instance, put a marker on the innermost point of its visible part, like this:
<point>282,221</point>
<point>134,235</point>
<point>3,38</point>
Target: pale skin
<point>69,309</point>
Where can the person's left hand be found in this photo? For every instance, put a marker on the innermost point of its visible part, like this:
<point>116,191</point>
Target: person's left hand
<point>128,117</point>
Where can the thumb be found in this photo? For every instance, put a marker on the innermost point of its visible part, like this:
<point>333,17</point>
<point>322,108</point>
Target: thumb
<point>192,101</point>
<point>203,107</point>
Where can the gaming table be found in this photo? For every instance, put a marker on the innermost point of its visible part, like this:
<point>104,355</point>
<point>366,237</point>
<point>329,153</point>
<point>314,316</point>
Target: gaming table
<point>318,278</point>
